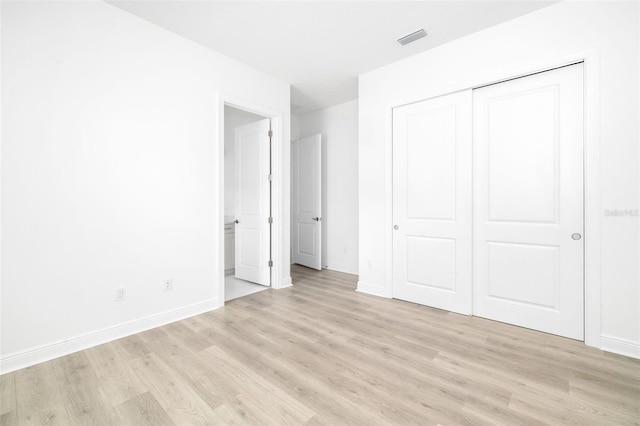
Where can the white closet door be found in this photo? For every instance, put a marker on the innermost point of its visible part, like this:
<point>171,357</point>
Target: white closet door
<point>528,202</point>
<point>432,202</point>
<point>252,202</point>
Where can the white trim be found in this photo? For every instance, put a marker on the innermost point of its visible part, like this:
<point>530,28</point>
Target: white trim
<point>342,267</point>
<point>18,360</point>
<point>592,277</point>
<point>371,289</point>
<point>287,282</point>
<point>388,193</point>
<point>620,346</point>
<point>278,244</point>
<point>592,214</point>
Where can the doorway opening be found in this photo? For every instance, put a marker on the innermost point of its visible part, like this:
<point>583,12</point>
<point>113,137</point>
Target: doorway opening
<point>247,202</point>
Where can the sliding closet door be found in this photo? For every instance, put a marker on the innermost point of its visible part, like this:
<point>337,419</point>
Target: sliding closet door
<point>432,202</point>
<point>528,202</point>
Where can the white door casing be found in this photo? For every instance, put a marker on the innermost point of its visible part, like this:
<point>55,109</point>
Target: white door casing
<point>432,199</point>
<point>528,202</point>
<point>252,202</point>
<point>307,201</point>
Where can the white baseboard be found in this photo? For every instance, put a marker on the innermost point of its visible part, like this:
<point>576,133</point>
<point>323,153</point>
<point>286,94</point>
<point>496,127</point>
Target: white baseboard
<point>287,282</point>
<point>620,346</point>
<point>48,352</point>
<point>371,289</point>
<point>342,267</point>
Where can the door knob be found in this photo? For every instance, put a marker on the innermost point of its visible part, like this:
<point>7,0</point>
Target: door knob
<point>576,236</point>
<point>236,221</point>
<point>317,219</point>
<point>395,227</point>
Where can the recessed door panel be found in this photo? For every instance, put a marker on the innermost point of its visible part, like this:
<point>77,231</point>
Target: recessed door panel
<point>538,279</point>
<point>306,239</point>
<point>431,167</point>
<point>431,262</point>
<point>522,135</point>
<point>250,195</point>
<point>248,256</point>
<point>307,197</point>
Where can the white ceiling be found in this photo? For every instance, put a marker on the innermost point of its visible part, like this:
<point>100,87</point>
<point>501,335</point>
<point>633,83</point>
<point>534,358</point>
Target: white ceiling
<point>320,47</point>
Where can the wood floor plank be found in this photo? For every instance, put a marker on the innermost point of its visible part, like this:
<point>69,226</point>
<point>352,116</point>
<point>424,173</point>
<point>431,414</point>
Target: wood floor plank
<point>237,413</point>
<point>133,346</point>
<point>413,397</point>
<point>116,377</point>
<point>566,410</point>
<point>320,353</point>
<point>143,409</point>
<point>257,392</point>
<point>495,415</point>
<point>187,337</point>
<point>7,393</point>
<point>9,418</point>
<point>318,394</point>
<point>153,334</point>
<point>626,402</point>
<point>355,383</point>
<point>81,391</point>
<point>177,398</point>
<point>198,375</point>
<point>384,328</point>
<point>39,398</point>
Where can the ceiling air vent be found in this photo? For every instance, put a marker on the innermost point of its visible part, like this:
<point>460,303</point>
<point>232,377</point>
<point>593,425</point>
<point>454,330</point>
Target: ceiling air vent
<point>410,38</point>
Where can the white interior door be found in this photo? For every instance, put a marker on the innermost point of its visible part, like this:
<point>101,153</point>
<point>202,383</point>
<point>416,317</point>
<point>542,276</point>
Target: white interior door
<point>252,202</point>
<point>432,202</point>
<point>528,202</point>
<point>307,202</point>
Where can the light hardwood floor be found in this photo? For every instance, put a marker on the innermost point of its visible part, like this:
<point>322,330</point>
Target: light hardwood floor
<point>320,353</point>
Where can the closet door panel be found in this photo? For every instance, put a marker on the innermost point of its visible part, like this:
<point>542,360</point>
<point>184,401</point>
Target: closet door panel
<point>528,202</point>
<point>432,202</point>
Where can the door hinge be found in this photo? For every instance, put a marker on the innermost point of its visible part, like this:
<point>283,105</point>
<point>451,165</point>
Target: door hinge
<point>270,220</point>
<point>270,133</point>
<point>270,177</point>
<point>271,264</point>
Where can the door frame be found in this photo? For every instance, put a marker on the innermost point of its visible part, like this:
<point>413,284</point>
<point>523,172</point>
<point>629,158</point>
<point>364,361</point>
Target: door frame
<point>277,243</point>
<point>592,240</point>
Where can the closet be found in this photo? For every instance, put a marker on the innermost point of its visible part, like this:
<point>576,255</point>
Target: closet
<point>488,202</point>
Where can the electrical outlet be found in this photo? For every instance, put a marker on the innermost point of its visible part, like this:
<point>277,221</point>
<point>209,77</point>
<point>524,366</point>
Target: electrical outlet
<point>168,284</point>
<point>121,294</point>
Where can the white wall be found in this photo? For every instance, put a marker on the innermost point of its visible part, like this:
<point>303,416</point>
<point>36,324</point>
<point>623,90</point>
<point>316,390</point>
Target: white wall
<point>233,117</point>
<point>608,31</point>
<point>110,151</point>
<point>338,126</point>
<point>295,127</point>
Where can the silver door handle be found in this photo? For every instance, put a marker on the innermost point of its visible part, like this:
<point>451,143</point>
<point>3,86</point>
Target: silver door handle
<point>236,221</point>
<point>576,236</point>
<point>395,227</point>
<point>317,219</point>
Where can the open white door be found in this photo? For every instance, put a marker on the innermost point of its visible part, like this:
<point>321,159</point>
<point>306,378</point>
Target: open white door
<point>528,202</point>
<point>252,202</point>
<point>432,202</point>
<point>307,197</point>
